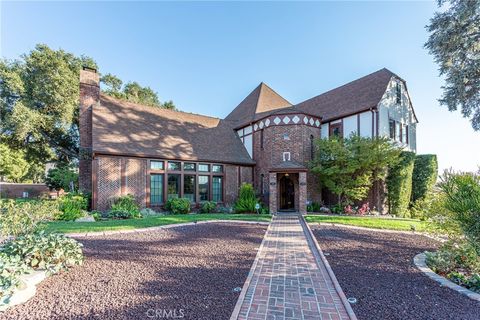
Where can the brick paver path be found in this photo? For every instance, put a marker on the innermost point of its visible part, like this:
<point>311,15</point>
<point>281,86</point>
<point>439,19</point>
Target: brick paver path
<point>290,280</point>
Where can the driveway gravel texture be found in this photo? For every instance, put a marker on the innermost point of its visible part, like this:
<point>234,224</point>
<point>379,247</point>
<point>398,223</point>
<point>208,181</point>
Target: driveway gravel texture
<point>186,272</point>
<point>377,268</point>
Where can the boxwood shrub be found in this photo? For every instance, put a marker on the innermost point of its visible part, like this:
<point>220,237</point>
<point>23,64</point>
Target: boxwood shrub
<point>178,205</point>
<point>399,185</point>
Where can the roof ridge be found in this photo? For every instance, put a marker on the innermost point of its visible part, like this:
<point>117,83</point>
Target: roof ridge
<point>154,108</point>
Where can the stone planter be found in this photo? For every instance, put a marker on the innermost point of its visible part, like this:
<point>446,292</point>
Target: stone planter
<point>26,290</point>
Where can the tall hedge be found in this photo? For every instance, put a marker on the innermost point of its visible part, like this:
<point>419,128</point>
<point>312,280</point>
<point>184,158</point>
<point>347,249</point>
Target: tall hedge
<point>399,185</point>
<point>425,172</point>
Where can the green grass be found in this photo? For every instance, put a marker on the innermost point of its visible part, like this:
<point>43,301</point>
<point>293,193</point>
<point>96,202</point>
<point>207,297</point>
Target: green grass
<point>152,221</point>
<point>373,222</point>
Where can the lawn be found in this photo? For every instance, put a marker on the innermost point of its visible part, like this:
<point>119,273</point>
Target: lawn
<point>373,222</point>
<point>152,221</point>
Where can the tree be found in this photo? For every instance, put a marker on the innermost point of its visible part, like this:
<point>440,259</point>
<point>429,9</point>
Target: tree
<point>61,178</point>
<point>454,43</point>
<point>13,165</point>
<point>399,184</point>
<point>349,167</point>
<point>39,97</point>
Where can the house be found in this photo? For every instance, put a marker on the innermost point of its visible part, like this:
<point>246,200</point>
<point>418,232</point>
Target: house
<point>156,154</point>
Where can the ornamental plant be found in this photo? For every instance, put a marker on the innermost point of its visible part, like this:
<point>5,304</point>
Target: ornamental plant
<point>208,207</point>
<point>72,206</point>
<point>125,207</point>
<point>247,200</point>
<point>399,185</point>
<point>178,205</point>
<point>11,267</point>
<point>40,250</point>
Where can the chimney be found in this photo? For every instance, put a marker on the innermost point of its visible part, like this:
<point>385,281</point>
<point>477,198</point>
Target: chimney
<point>89,96</point>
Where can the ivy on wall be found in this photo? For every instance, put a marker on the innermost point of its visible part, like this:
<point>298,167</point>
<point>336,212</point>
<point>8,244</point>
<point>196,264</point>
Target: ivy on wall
<point>399,185</point>
<point>425,173</point>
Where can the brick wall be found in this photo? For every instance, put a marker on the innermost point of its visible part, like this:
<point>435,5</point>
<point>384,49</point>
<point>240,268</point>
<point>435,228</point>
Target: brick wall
<point>136,179</point>
<point>16,190</point>
<point>89,96</point>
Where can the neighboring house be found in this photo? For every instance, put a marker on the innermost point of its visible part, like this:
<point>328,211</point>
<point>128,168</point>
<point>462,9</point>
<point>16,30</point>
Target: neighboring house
<point>156,154</point>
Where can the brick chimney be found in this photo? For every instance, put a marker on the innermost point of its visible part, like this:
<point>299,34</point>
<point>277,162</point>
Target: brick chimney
<point>89,96</point>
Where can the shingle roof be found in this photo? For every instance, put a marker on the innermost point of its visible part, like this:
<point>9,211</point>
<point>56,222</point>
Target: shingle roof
<point>121,127</point>
<point>353,97</point>
<point>260,101</point>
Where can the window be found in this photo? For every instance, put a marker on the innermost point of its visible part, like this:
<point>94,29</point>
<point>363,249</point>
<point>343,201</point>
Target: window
<point>392,129</point>
<point>189,187</point>
<point>397,131</point>
<point>173,166</point>
<point>217,168</point>
<point>156,165</point>
<point>286,136</point>
<point>203,187</point>
<point>404,134</point>
<point>173,186</point>
<point>261,139</point>
<point>187,166</point>
<point>286,156</point>
<point>336,129</point>
<point>262,177</point>
<point>399,93</point>
<point>217,189</point>
<point>312,147</point>
<point>204,167</point>
<point>156,189</point>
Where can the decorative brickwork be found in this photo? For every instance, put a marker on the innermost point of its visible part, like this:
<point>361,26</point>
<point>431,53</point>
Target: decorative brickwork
<point>302,193</point>
<point>272,177</point>
<point>109,186</point>
<point>136,179</point>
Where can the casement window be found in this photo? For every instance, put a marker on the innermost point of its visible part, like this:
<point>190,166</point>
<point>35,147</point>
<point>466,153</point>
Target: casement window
<point>398,93</point>
<point>336,129</point>
<point>189,187</point>
<point>173,190</point>
<point>156,189</point>
<point>246,135</point>
<point>397,131</point>
<point>156,165</point>
<point>217,189</point>
<point>217,168</point>
<point>203,187</point>
<point>203,167</point>
<point>262,178</point>
<point>261,139</point>
<point>405,134</point>
<point>391,124</point>
<point>188,166</point>
<point>174,166</point>
<point>312,148</point>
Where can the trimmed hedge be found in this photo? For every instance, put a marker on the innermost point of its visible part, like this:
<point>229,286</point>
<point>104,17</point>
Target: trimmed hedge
<point>399,185</point>
<point>425,172</point>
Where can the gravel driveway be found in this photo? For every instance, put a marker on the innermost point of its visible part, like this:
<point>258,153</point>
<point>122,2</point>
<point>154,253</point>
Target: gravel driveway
<point>189,271</point>
<point>377,268</point>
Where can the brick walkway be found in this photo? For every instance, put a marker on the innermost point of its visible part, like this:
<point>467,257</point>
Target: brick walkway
<point>289,279</point>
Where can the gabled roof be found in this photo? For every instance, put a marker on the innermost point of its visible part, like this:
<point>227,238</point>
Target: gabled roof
<point>356,96</point>
<point>261,100</point>
<point>125,128</point>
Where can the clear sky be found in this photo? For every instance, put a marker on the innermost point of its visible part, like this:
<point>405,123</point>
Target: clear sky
<point>207,57</point>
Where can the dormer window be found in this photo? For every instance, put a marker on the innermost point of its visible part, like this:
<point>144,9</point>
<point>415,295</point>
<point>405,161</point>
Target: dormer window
<point>286,156</point>
<point>399,93</point>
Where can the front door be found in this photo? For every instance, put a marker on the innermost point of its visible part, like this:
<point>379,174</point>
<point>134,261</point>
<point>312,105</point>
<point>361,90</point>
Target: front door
<point>287,193</point>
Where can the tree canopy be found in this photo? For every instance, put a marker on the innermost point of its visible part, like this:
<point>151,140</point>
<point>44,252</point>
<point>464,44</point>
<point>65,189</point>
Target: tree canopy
<point>455,44</point>
<point>39,98</point>
<point>348,167</point>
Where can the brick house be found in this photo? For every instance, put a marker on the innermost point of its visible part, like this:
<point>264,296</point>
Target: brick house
<point>156,154</point>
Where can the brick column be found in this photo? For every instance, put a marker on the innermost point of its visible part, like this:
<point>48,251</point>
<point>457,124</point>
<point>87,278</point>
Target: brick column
<point>89,96</point>
<point>302,198</point>
<point>273,192</point>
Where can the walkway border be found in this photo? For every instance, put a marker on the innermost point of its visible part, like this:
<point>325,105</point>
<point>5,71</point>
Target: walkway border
<point>243,293</point>
<point>420,263</point>
<point>338,288</point>
<point>158,228</point>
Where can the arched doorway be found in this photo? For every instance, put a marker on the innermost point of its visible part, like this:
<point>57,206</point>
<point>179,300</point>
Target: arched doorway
<point>287,193</point>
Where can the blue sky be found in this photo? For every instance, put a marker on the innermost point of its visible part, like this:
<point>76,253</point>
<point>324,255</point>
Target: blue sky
<point>207,57</point>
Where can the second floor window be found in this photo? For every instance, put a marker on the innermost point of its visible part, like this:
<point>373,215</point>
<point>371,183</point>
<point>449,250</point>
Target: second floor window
<point>399,93</point>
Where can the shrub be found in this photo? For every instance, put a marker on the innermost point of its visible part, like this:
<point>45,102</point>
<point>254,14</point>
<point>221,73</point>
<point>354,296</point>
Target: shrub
<point>22,218</point>
<point>50,251</point>
<point>425,171</point>
<point>125,207</point>
<point>145,212</point>
<point>97,215</point>
<point>208,207</point>
<point>462,200</point>
<point>72,206</point>
<point>62,178</point>
<point>178,205</point>
<point>247,200</point>
<point>399,185</point>
<point>11,267</point>
<point>313,207</point>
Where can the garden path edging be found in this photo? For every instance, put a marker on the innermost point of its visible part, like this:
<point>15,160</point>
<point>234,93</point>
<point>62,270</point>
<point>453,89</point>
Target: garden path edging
<point>157,228</point>
<point>420,263</point>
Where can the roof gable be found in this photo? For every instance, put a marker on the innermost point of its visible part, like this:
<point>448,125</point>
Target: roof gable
<point>356,96</point>
<point>261,100</point>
